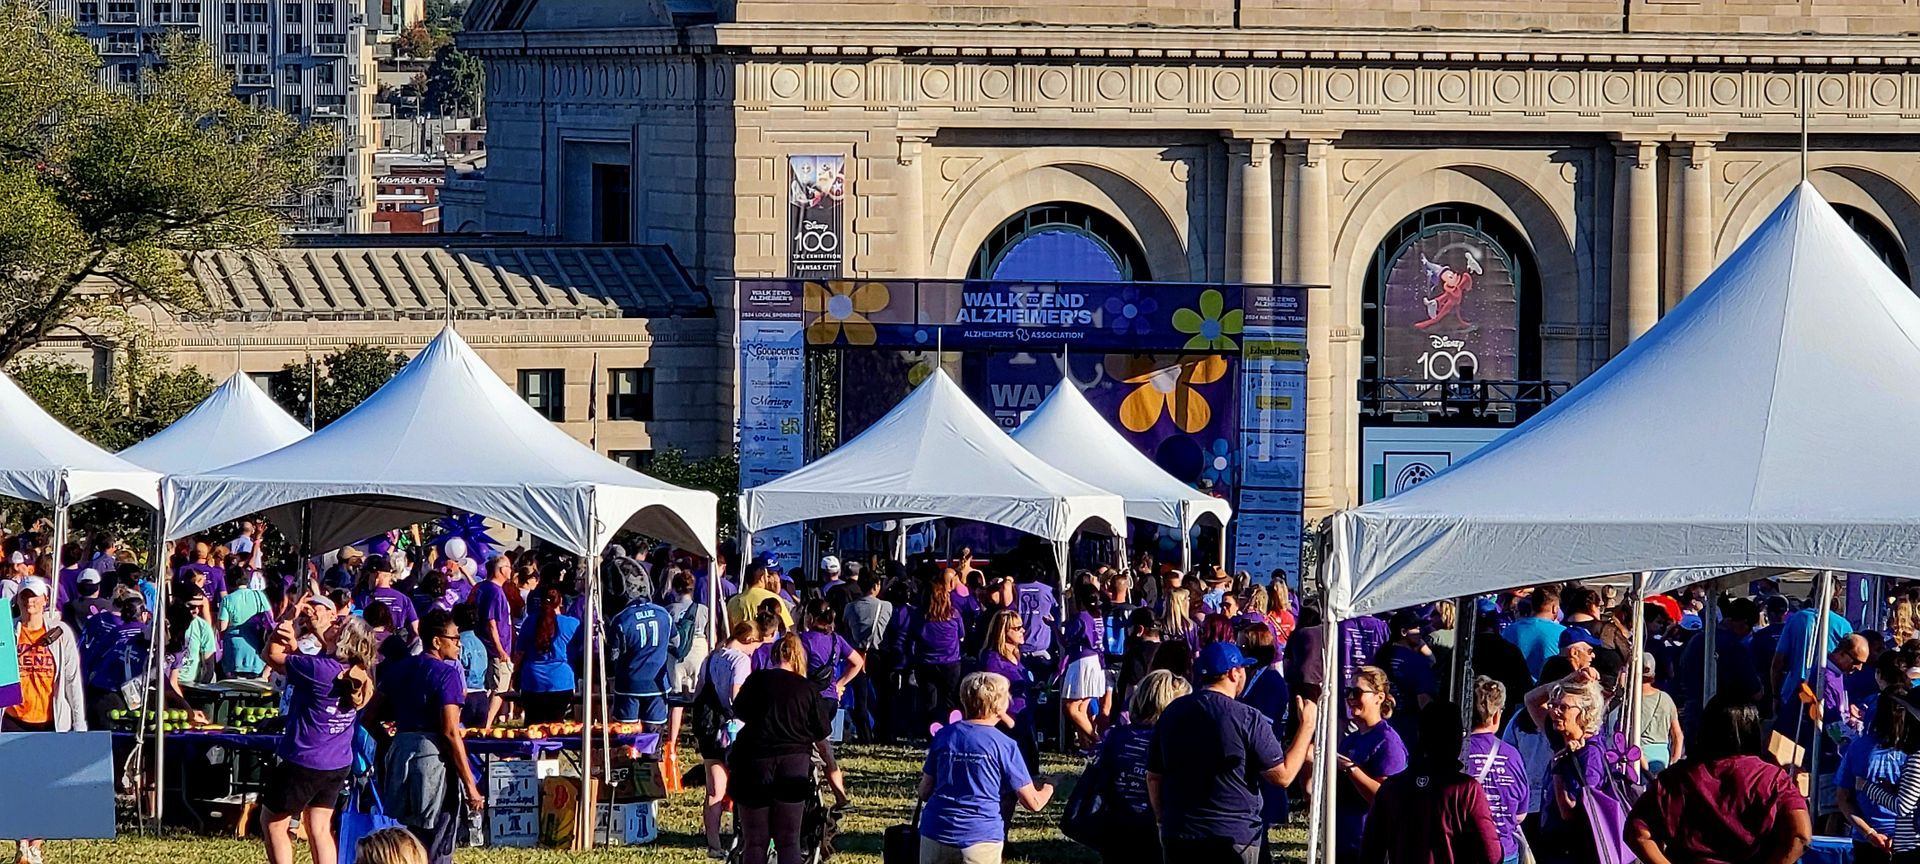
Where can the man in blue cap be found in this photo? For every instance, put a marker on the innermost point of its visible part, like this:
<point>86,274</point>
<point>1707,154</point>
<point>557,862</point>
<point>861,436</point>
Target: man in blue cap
<point>1209,755</point>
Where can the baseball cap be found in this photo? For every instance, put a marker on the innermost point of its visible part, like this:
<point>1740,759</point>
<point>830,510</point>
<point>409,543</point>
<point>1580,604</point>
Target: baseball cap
<point>1579,634</point>
<point>1646,665</point>
<point>17,558</point>
<point>34,585</point>
<point>830,564</point>
<point>323,600</point>
<point>1690,621</point>
<point>1667,604</point>
<point>1218,659</point>
<point>1404,620</point>
<point>88,575</point>
<point>378,564</point>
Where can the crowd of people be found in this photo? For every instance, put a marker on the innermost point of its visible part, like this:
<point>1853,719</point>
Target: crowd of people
<point>1194,694</point>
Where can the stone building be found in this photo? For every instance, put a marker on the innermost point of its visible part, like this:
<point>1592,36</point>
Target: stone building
<point>615,333</point>
<point>1598,157</point>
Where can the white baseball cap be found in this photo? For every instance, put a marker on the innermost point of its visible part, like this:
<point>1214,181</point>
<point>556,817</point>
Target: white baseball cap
<point>34,585</point>
<point>17,558</point>
<point>830,564</point>
<point>88,575</point>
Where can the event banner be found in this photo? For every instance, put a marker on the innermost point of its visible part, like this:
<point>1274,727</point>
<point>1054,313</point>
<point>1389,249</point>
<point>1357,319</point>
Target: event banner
<point>1273,425</point>
<point>772,399</point>
<point>920,314</point>
<point>816,197</point>
<point>1450,307</point>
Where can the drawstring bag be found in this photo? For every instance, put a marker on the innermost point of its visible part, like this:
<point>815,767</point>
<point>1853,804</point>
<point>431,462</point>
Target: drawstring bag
<point>355,824</point>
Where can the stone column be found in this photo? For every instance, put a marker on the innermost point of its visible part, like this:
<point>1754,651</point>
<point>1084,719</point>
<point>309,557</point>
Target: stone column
<point>1251,210</point>
<point>1636,238</point>
<point>1308,261</point>
<point>910,258</point>
<point>1693,162</point>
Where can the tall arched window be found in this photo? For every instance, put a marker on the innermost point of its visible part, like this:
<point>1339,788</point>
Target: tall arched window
<point>1452,293</point>
<point>1879,238</point>
<point>1063,242</point>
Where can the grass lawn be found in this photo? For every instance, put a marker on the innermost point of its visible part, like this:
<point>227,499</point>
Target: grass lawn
<point>882,781</point>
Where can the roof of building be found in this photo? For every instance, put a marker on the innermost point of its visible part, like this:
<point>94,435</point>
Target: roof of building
<point>381,277</point>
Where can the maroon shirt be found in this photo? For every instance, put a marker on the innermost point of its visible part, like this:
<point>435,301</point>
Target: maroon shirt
<point>1720,812</point>
<point>1423,816</point>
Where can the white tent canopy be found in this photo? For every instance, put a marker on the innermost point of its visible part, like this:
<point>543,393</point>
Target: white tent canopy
<point>1764,422</point>
<point>45,462</point>
<point>1069,434</point>
<point>445,433</point>
<point>233,424</point>
<point>936,454</point>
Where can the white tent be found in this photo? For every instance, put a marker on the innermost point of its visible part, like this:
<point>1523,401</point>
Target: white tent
<point>445,434</point>
<point>936,454</point>
<point>1764,422</point>
<point>45,462</point>
<point>236,422</point>
<point>1761,424</point>
<point>1069,434</point>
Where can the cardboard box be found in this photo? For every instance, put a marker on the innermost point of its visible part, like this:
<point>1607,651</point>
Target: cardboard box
<point>517,827</point>
<point>515,783</point>
<point>559,811</point>
<point>643,779</point>
<point>635,824</point>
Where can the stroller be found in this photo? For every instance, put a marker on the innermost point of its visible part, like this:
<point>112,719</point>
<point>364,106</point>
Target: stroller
<point>819,823</point>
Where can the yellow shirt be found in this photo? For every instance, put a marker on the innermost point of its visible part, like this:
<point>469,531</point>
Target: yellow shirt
<point>746,604</point>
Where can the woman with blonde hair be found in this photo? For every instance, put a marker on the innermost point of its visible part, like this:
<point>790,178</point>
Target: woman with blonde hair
<point>390,846</point>
<point>771,764</point>
<point>969,767</point>
<point>1121,771</point>
<point>1280,607</point>
<point>327,690</point>
<point>725,671</point>
<point>1370,752</point>
<point>1902,623</point>
<point>1005,634</point>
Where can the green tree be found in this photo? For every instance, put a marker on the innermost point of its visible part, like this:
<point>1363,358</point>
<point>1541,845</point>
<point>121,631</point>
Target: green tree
<point>717,474</point>
<point>345,379</point>
<point>101,189</point>
<point>456,82</point>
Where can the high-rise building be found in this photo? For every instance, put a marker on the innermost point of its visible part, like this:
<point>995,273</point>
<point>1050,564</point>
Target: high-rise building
<point>311,58</point>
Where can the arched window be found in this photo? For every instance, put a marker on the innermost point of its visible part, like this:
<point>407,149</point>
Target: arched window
<point>1060,242</point>
<point>1452,293</point>
<point>1879,238</point>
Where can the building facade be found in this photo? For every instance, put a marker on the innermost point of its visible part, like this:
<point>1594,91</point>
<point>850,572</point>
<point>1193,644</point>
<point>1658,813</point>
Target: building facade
<point>310,58</point>
<point>1585,163</point>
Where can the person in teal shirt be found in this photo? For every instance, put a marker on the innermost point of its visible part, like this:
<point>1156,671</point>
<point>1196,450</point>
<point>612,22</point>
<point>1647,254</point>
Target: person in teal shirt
<point>245,620</point>
<point>1789,654</point>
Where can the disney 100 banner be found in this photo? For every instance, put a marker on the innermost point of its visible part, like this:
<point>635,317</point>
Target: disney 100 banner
<point>1207,380</point>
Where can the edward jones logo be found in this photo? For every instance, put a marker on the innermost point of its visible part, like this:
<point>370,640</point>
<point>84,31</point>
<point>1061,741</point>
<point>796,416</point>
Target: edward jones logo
<point>1282,351</point>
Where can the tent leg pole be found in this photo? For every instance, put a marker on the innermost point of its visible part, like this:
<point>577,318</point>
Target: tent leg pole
<point>1320,816</point>
<point>162,586</point>
<point>1816,664</point>
<point>583,820</point>
<point>1466,627</point>
<point>1710,667</point>
<point>59,545</point>
<point>1637,640</point>
<point>1060,564</point>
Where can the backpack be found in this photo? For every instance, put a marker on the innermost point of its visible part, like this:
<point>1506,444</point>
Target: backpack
<point>826,671</point>
<point>684,633</point>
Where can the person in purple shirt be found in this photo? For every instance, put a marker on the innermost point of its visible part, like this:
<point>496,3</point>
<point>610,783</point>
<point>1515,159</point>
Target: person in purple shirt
<point>113,651</point>
<point>215,583</point>
<point>399,605</point>
<point>1497,766</point>
<point>1361,638</point>
<point>1035,601</point>
<point>831,660</point>
<point>496,632</point>
<point>1370,753</point>
<point>1006,633</point>
<point>1409,664</point>
<point>1083,646</point>
<point>1570,712</point>
<point>933,639</point>
<point>326,692</point>
<point>423,695</point>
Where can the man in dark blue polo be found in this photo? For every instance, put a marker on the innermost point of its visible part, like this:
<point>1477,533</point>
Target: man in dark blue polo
<point>1209,755</point>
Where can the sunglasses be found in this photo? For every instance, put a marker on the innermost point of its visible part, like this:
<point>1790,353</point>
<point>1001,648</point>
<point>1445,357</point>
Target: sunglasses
<point>1357,692</point>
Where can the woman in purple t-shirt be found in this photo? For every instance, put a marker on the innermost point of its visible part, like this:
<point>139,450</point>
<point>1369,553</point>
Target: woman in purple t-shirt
<point>327,691</point>
<point>934,644</point>
<point>827,651</point>
<point>1083,644</point>
<point>1571,711</point>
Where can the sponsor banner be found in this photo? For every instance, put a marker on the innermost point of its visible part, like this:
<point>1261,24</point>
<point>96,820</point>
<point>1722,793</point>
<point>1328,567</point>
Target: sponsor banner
<point>1272,439</point>
<point>773,400</point>
<point>816,197</point>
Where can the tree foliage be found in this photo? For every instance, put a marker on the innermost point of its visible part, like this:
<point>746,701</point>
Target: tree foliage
<point>345,379</point>
<point>102,188</point>
<point>422,40</point>
<point>717,474</point>
<point>456,83</point>
<point>144,397</point>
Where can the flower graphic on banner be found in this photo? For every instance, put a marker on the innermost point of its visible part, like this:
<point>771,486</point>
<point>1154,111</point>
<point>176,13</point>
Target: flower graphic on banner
<point>1171,390</point>
<point>843,307</point>
<point>1210,328</point>
<point>1219,459</point>
<point>1130,313</point>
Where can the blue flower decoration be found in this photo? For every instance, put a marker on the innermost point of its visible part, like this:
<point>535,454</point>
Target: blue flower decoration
<point>1219,463</point>
<point>1130,313</point>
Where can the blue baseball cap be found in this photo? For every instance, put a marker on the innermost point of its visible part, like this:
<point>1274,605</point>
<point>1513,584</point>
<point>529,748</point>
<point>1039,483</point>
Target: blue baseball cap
<point>1218,659</point>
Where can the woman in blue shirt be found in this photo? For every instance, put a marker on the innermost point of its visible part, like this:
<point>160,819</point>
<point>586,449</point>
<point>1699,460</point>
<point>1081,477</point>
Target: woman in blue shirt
<point>543,652</point>
<point>1121,769</point>
<point>970,769</point>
